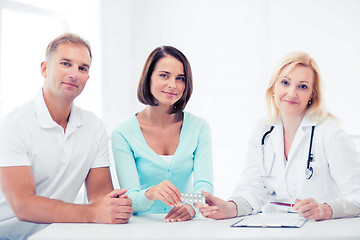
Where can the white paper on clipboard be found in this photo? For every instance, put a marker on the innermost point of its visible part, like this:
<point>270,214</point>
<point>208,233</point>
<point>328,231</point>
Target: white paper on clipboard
<point>271,220</point>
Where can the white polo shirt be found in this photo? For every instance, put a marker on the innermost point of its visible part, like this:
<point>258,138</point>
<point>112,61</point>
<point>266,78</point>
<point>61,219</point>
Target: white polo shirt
<point>60,161</point>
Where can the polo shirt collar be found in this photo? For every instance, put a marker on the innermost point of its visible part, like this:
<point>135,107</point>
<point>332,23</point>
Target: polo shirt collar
<point>75,119</point>
<point>45,119</point>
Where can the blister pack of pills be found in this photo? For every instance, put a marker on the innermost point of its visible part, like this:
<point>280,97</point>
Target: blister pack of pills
<point>193,198</point>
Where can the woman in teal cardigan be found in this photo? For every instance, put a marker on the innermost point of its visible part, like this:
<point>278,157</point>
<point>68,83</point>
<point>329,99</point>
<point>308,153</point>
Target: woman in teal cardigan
<point>163,151</point>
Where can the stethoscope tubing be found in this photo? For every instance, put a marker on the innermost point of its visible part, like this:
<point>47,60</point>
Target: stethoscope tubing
<point>310,156</point>
<point>309,170</point>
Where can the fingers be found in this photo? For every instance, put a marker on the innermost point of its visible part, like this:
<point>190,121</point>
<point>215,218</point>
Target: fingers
<point>123,196</point>
<point>209,198</point>
<point>185,216</point>
<point>117,193</point>
<point>125,211</point>
<point>111,209</point>
<point>123,202</point>
<point>118,197</point>
<point>208,208</point>
<point>172,193</point>
<point>179,214</point>
<point>169,197</point>
<point>121,205</point>
<point>211,202</point>
<point>165,192</point>
<point>207,195</point>
<point>216,208</point>
<point>122,210</point>
<point>200,205</point>
<point>305,205</point>
<point>173,214</point>
<point>308,208</point>
<point>119,219</point>
<point>208,211</point>
<point>190,209</point>
<point>205,209</point>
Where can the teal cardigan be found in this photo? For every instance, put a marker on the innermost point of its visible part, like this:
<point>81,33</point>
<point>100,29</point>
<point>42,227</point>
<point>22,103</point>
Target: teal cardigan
<point>139,167</point>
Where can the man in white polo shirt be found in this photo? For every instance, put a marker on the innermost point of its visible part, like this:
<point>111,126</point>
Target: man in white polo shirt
<point>49,148</point>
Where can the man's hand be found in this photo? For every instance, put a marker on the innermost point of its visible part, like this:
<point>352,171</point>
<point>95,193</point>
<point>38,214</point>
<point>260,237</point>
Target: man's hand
<point>115,207</point>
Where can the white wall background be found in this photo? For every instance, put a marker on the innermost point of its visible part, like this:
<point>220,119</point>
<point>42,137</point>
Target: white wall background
<point>232,46</point>
<point>26,27</point>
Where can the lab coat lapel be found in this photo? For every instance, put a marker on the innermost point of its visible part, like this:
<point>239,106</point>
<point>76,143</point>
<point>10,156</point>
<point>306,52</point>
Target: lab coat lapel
<point>277,140</point>
<point>295,144</point>
<point>298,141</point>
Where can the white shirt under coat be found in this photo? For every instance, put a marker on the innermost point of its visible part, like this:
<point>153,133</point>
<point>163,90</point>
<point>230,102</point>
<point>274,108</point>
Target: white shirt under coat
<point>336,166</point>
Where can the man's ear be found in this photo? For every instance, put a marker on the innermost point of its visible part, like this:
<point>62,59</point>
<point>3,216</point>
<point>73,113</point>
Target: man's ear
<point>43,68</point>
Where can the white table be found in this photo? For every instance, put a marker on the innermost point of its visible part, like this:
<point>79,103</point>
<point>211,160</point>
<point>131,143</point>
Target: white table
<point>153,227</point>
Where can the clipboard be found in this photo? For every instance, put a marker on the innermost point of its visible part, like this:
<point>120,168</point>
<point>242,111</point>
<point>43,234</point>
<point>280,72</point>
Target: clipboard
<point>271,220</point>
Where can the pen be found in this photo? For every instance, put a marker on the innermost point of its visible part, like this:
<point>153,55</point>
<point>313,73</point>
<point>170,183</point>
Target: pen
<point>283,204</point>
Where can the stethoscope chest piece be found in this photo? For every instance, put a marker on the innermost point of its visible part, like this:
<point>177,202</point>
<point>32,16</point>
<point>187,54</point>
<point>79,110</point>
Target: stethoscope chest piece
<point>309,172</point>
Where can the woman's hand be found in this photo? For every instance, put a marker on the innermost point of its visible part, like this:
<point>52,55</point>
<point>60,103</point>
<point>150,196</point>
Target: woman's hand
<point>165,192</point>
<point>182,213</point>
<point>216,208</point>
<point>310,209</point>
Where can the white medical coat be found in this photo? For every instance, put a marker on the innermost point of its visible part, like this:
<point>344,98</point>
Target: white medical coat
<point>336,164</point>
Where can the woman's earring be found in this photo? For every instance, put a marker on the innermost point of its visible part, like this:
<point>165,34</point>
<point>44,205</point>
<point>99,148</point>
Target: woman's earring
<point>310,102</point>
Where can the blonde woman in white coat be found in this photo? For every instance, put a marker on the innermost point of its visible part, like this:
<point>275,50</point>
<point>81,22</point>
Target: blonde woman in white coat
<point>322,181</point>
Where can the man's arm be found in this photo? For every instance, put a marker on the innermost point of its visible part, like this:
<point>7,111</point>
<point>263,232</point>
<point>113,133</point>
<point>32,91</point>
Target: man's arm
<point>18,186</point>
<point>98,184</point>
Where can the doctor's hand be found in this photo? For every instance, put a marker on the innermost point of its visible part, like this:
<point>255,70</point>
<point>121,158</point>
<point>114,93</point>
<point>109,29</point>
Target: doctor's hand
<point>216,208</point>
<point>310,209</point>
<point>181,213</point>
<point>165,192</point>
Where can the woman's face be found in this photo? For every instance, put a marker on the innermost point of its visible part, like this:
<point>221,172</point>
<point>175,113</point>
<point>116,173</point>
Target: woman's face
<point>293,91</point>
<point>167,81</point>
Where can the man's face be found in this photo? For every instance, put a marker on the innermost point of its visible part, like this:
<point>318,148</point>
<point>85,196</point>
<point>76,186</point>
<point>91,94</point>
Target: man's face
<point>67,71</point>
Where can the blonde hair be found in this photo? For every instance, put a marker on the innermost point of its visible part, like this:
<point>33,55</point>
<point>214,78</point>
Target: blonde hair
<point>316,110</point>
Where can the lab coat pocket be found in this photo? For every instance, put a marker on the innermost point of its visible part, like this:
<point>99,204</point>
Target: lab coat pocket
<point>320,171</point>
<point>318,185</point>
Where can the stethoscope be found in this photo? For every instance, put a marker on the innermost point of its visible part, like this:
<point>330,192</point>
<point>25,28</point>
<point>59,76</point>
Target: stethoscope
<point>309,170</point>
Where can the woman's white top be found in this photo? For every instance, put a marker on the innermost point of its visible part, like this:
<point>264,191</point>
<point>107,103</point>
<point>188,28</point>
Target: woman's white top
<point>167,158</point>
